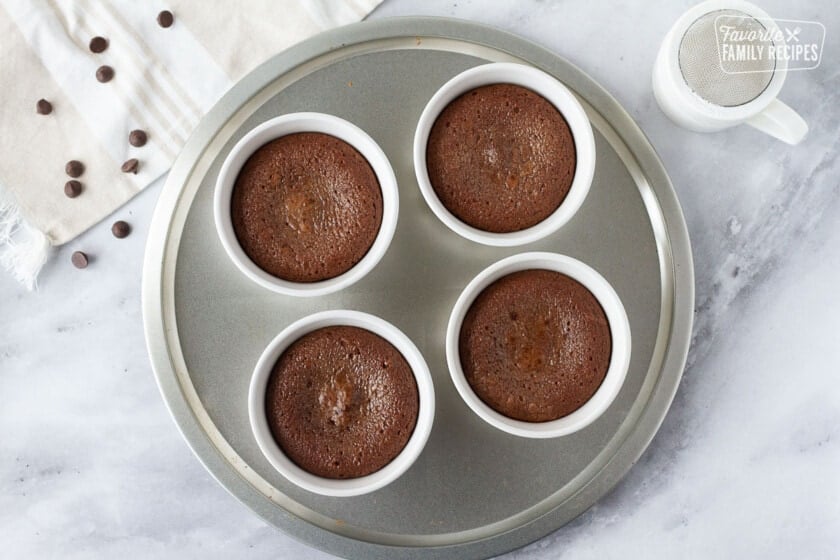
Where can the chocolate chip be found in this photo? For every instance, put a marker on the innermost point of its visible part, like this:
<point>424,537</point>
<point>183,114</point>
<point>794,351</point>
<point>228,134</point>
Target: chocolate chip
<point>79,259</point>
<point>104,73</point>
<point>98,44</point>
<point>130,166</point>
<point>74,168</point>
<point>72,188</point>
<point>137,138</point>
<point>43,107</point>
<point>165,18</point>
<point>120,229</point>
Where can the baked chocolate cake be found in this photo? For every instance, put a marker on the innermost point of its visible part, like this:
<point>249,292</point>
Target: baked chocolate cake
<point>341,402</point>
<point>501,158</point>
<point>535,345</point>
<point>306,207</point>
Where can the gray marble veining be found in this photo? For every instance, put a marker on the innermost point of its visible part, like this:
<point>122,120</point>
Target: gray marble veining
<point>91,465</point>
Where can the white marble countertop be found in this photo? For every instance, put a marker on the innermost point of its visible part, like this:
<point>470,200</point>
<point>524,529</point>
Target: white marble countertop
<point>746,463</point>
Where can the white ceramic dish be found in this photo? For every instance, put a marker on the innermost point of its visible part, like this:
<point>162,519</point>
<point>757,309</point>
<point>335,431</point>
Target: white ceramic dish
<point>559,96</point>
<point>352,486</point>
<point>290,124</point>
<point>619,331</point>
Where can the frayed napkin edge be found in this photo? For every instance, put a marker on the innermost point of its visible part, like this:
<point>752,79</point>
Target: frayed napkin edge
<point>23,248</point>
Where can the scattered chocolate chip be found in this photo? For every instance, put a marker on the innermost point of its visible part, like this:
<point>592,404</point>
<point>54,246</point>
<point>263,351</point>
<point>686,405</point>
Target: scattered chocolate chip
<point>79,259</point>
<point>130,166</point>
<point>104,73</point>
<point>74,168</point>
<point>43,107</point>
<point>72,188</point>
<point>137,138</point>
<point>120,229</point>
<point>98,44</point>
<point>165,18</point>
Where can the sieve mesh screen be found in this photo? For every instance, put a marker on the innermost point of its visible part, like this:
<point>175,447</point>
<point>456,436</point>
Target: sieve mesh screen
<point>701,66</point>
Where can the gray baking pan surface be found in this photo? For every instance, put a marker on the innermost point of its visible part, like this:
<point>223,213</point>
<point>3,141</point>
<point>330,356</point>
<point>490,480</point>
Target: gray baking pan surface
<point>475,491</point>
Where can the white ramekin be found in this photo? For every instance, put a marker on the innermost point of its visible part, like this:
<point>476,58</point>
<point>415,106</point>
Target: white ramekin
<point>290,124</point>
<point>549,88</point>
<point>619,331</point>
<point>352,486</point>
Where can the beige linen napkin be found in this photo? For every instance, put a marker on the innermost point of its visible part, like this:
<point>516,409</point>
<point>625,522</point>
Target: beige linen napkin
<point>165,79</point>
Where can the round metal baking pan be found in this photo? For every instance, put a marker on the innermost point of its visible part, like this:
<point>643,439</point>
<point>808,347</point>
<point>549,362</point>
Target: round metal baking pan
<point>475,491</point>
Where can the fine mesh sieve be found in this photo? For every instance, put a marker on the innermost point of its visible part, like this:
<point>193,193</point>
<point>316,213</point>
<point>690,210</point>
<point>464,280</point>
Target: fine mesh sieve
<point>700,63</point>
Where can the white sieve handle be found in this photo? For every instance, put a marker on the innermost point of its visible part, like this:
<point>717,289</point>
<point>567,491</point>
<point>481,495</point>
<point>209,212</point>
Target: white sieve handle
<point>780,121</point>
